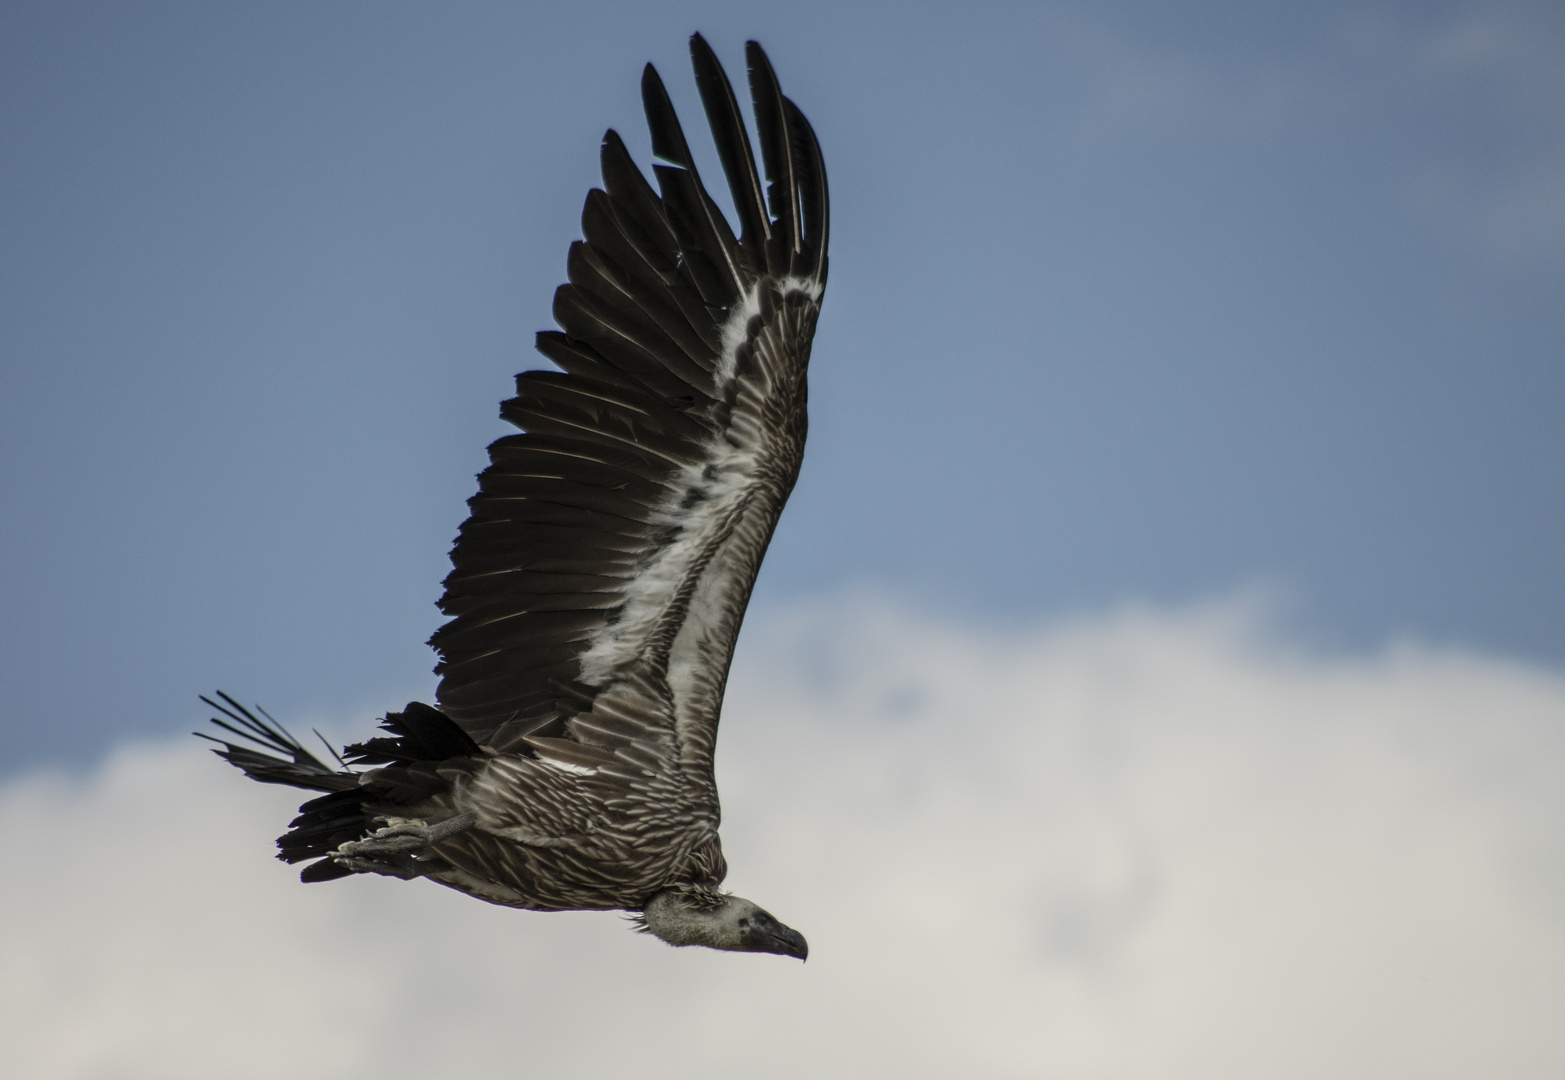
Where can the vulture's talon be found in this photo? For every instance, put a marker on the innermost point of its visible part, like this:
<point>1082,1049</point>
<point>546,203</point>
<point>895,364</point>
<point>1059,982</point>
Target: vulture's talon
<point>406,837</point>
<point>405,867</point>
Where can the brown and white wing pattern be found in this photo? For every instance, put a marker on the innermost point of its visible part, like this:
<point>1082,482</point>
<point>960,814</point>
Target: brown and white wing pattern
<point>598,586</point>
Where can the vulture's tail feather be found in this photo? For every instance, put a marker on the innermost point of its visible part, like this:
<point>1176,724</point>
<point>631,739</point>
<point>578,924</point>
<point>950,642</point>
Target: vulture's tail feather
<point>322,826</point>
<point>420,738</point>
<point>421,733</point>
<point>304,770</point>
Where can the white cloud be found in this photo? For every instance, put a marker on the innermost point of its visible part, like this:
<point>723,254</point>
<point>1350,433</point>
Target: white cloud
<point>1139,846</point>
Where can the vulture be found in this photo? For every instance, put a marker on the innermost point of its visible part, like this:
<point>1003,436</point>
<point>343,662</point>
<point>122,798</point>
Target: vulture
<point>598,584</point>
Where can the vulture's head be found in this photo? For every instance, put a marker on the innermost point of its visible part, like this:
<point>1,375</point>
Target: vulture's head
<point>697,916</point>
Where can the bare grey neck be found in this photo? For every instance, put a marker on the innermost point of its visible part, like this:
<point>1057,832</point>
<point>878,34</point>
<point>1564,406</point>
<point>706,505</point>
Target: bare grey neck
<point>696,916</point>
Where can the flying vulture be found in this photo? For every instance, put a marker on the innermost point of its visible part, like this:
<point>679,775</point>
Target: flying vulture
<point>597,588</point>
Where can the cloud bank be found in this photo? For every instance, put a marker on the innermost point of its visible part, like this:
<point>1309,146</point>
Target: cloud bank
<point>1141,845</point>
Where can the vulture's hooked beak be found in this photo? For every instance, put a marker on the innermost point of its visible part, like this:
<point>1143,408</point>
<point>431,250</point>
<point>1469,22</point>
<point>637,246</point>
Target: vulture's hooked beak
<point>787,941</point>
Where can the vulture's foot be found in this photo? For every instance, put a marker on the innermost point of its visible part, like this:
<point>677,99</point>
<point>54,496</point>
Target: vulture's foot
<point>403,837</point>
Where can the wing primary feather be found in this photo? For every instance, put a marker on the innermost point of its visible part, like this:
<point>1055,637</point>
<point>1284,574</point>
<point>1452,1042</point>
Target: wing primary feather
<point>584,321</point>
<point>618,304</point>
<point>661,298</point>
<point>814,197</point>
<point>641,217</point>
<point>771,123</point>
<point>686,202</point>
<point>629,189</point>
<point>733,149</point>
<point>578,358</point>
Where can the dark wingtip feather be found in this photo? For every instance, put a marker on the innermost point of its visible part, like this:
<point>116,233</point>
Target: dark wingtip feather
<point>771,122</point>
<point>668,138</point>
<point>705,235</point>
<point>814,195</point>
<point>733,148</point>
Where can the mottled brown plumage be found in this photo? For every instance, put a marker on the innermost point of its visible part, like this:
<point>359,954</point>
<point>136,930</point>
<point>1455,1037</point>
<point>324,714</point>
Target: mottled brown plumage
<point>599,584</point>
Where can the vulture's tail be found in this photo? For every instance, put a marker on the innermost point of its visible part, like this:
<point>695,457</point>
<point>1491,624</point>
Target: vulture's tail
<point>304,770</point>
<point>421,738</point>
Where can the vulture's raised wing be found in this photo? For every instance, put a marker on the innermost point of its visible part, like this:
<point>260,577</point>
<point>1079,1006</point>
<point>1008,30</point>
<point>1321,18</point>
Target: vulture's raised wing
<point>619,537</point>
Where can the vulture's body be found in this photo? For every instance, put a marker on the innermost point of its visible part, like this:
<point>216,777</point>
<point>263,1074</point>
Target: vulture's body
<point>598,586</point>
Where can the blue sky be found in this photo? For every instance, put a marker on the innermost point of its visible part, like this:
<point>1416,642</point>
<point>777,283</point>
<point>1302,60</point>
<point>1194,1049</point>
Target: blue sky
<point>1160,669</point>
<point>1129,303</point>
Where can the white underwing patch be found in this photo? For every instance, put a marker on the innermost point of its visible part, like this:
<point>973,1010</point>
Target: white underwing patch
<point>700,512</point>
